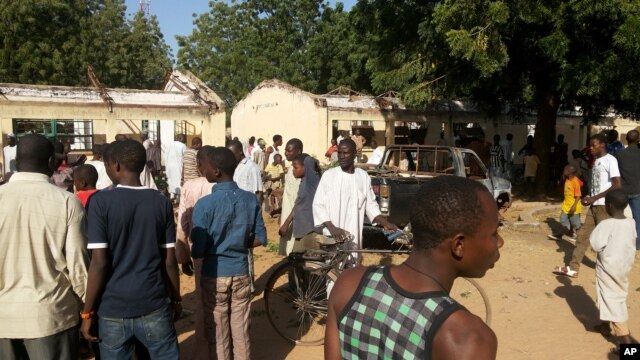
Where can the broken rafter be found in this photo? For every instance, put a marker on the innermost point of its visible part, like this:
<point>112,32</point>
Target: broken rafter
<point>103,90</point>
<point>344,91</point>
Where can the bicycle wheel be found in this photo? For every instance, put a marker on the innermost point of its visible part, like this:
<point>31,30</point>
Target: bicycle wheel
<point>471,295</point>
<point>296,300</point>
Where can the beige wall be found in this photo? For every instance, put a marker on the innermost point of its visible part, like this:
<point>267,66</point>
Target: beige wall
<point>107,124</point>
<point>273,110</point>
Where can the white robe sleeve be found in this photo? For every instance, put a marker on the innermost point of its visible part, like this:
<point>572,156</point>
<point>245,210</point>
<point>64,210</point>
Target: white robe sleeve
<point>599,238</point>
<point>371,207</point>
<point>321,213</point>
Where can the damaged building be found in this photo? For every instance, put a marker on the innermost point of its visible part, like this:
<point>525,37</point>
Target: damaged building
<point>84,116</point>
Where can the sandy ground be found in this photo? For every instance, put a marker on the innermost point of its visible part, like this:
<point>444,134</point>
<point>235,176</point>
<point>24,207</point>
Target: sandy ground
<point>536,315</point>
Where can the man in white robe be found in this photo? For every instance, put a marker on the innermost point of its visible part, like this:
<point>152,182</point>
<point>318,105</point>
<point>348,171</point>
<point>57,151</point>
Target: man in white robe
<point>291,186</point>
<point>343,197</point>
<point>173,165</point>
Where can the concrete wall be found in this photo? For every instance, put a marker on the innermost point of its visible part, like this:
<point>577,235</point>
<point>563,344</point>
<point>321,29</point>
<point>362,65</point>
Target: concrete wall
<point>125,119</point>
<point>274,110</point>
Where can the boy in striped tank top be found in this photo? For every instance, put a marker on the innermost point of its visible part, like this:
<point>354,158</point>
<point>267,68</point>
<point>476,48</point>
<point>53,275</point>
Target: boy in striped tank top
<point>404,311</point>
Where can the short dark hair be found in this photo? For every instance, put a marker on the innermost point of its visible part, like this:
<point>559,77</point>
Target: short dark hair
<point>196,141</point>
<point>277,137</point>
<point>220,157</point>
<point>296,143</point>
<point>445,206</point>
<point>300,158</point>
<point>348,142</point>
<point>107,150</point>
<point>34,150</point>
<point>236,144</point>
<point>601,138</point>
<point>130,154</point>
<point>252,140</point>
<point>87,173</point>
<point>617,199</point>
<point>97,149</point>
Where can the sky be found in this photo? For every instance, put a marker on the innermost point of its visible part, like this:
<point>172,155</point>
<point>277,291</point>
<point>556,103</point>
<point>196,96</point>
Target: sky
<point>175,16</point>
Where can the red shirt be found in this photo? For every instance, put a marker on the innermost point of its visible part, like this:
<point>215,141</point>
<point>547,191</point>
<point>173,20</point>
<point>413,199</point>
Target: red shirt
<point>84,195</point>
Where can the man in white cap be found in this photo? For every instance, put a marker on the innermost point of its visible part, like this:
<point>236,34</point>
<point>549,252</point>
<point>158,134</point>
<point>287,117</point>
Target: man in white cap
<point>9,153</point>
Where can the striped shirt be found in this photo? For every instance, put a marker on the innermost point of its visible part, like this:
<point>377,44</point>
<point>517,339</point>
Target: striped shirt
<point>497,156</point>
<point>190,165</point>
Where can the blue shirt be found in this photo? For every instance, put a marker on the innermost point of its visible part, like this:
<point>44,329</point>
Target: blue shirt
<point>224,226</point>
<point>134,224</point>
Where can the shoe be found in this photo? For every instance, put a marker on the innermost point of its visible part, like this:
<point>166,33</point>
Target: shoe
<point>554,237</point>
<point>566,271</point>
<point>573,235</point>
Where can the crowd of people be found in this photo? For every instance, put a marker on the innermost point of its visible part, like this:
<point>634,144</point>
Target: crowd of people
<point>91,246</point>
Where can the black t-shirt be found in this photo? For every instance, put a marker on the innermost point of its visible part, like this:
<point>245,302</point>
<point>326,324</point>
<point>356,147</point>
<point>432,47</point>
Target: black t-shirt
<point>629,165</point>
<point>135,224</point>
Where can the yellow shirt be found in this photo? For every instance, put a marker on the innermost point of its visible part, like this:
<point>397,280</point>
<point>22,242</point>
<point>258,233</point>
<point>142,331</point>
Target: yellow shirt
<point>43,271</point>
<point>571,190</point>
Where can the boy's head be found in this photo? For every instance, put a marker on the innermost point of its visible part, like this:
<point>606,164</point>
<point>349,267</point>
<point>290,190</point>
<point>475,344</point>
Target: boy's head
<point>85,177</point>
<point>455,220</point>
<point>277,140</point>
<point>496,139</point>
<point>577,154</point>
<point>597,144</point>
<point>530,151</point>
<point>616,201</point>
<point>569,171</point>
<point>97,151</point>
<point>297,165</point>
<point>277,159</point>
<point>125,158</point>
<point>217,164</point>
<point>236,149</point>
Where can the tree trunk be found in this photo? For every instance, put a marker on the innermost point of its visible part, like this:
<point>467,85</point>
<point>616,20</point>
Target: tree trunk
<point>545,138</point>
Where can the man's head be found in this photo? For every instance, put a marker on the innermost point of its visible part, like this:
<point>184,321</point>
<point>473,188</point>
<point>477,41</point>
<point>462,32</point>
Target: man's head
<point>357,132</point>
<point>85,177</point>
<point>496,139</point>
<point>262,143</point>
<point>217,164</point>
<point>569,171</point>
<point>334,142</point>
<point>612,135</point>
<point>277,140</point>
<point>107,150</point>
<point>182,138</point>
<point>597,145</point>
<point>509,136</point>
<point>97,151</point>
<point>11,139</point>
<point>35,154</point>
<point>236,148</point>
<point>126,159</point>
<point>457,219</point>
<point>277,159</point>
<point>293,148</point>
<point>632,137</point>
<point>121,137</point>
<point>374,144</point>
<point>196,143</point>
<point>347,155</point>
<point>577,154</point>
<point>252,140</point>
<point>560,139</point>
<point>616,201</point>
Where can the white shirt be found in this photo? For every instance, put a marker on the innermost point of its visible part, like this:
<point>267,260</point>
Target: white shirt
<point>9,153</point>
<point>248,176</point>
<point>273,155</point>
<point>257,155</point>
<point>103,179</point>
<point>615,242</point>
<point>344,199</point>
<point>147,144</point>
<point>507,146</point>
<point>173,166</point>
<point>604,169</point>
<point>376,156</point>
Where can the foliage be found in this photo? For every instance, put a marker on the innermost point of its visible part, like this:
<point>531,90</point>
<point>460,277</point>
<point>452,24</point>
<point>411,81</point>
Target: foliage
<point>52,42</point>
<point>235,46</point>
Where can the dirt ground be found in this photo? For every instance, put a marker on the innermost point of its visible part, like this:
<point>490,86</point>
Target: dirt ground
<point>536,314</point>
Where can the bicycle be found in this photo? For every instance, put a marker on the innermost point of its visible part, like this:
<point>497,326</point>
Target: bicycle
<point>296,293</point>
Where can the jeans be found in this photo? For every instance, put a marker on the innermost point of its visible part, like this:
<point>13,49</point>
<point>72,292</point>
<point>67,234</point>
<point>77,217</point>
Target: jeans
<point>227,308</point>
<point>63,345</point>
<point>634,204</point>
<point>595,215</point>
<point>154,330</point>
<point>570,221</point>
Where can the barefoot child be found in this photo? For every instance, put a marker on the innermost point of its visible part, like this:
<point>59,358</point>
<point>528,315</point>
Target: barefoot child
<point>614,241</point>
<point>571,207</point>
<point>85,178</point>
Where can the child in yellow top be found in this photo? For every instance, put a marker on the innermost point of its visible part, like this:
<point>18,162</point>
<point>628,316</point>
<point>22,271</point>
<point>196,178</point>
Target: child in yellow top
<point>571,206</point>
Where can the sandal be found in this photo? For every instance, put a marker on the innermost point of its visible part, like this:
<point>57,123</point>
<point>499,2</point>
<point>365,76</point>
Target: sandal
<point>566,271</point>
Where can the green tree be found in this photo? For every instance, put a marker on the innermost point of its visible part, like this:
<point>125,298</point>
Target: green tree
<point>518,55</point>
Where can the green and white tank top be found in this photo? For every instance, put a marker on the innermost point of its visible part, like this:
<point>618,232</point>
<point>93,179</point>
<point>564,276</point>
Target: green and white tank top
<point>382,321</point>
